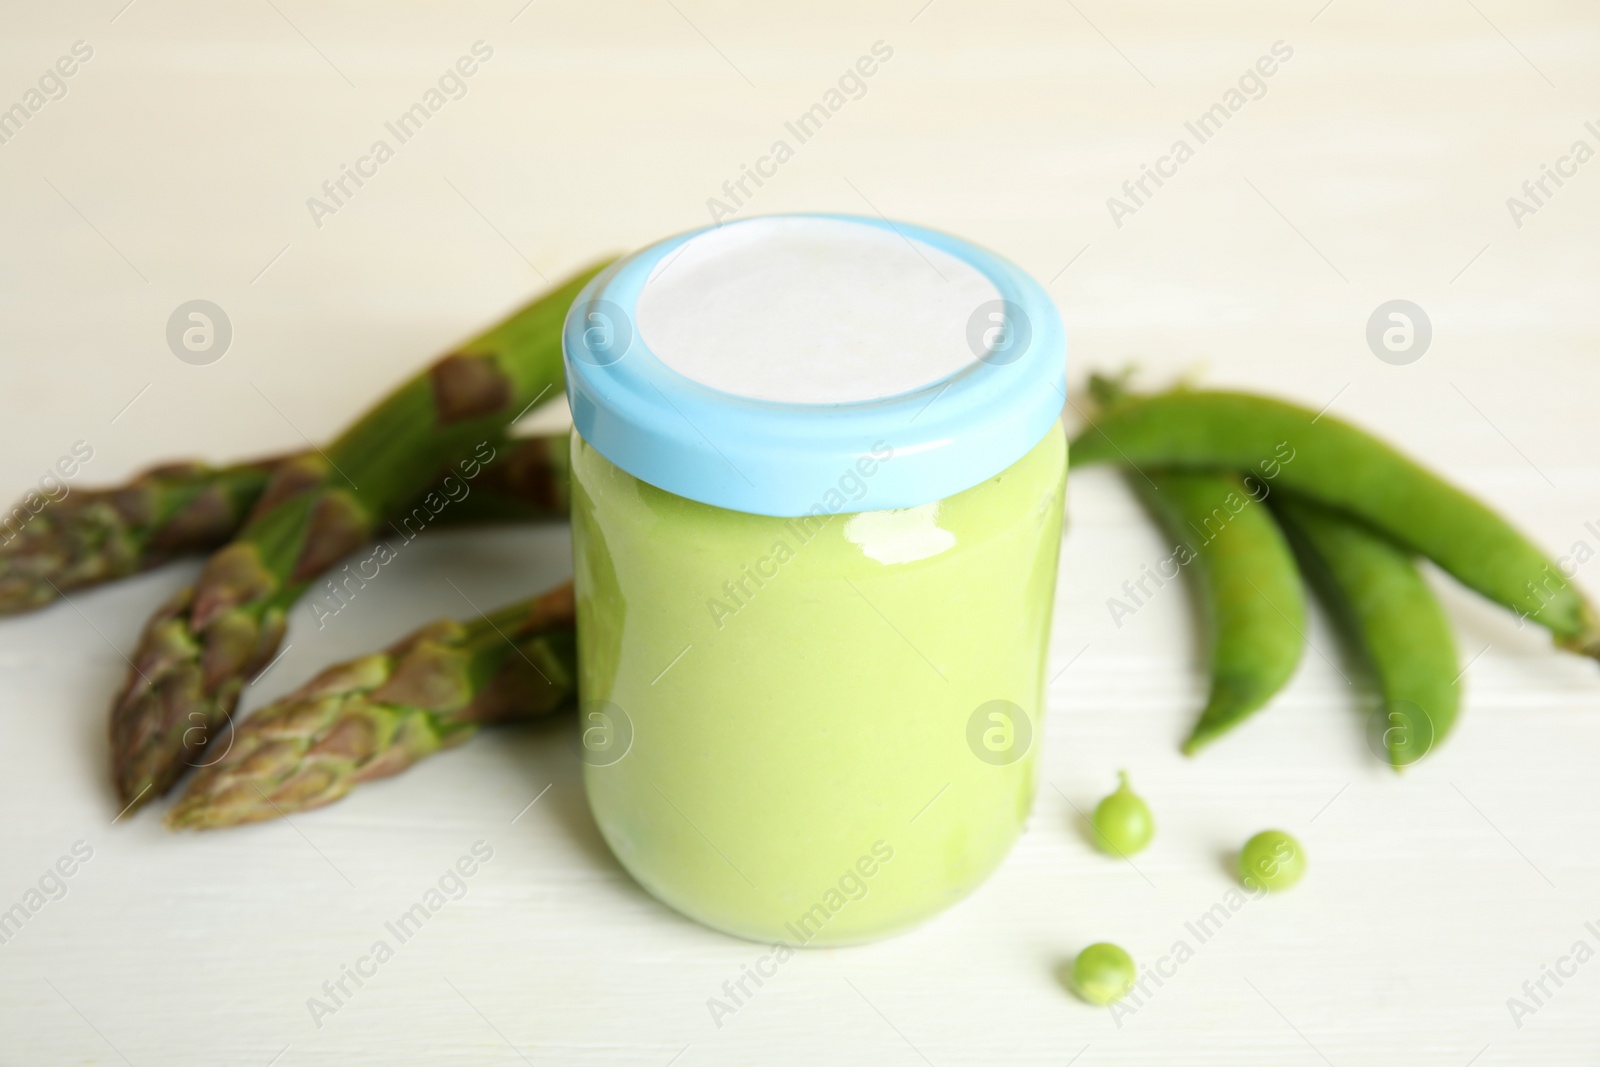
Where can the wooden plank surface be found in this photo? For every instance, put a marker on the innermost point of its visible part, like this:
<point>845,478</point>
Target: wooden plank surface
<point>1375,163</point>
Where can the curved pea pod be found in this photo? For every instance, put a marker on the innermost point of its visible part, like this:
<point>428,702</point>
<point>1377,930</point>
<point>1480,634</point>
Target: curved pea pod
<point>1337,464</point>
<point>1373,589</point>
<point>1248,584</point>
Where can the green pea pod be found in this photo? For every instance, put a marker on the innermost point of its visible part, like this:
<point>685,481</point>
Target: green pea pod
<point>1373,589</point>
<point>1249,587</point>
<point>1339,465</point>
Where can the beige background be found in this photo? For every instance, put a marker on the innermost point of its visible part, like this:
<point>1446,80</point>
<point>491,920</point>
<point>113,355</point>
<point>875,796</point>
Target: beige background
<point>1376,166</point>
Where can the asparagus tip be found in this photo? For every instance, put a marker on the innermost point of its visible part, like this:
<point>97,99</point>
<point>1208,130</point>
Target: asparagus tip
<point>133,799</point>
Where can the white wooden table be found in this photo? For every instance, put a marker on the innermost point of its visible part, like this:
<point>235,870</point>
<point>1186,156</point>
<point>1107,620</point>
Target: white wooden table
<point>1376,166</point>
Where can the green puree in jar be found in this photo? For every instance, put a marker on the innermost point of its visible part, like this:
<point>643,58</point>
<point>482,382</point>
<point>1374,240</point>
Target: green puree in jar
<point>817,473</point>
<point>800,767</point>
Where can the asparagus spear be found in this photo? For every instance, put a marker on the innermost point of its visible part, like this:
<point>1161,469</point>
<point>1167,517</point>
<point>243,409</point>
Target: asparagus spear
<point>379,714</point>
<point>90,537</point>
<point>527,481</point>
<point>200,648</point>
<point>94,536</point>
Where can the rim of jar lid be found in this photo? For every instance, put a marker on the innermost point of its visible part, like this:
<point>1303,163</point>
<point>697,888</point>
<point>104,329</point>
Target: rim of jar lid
<point>785,459</point>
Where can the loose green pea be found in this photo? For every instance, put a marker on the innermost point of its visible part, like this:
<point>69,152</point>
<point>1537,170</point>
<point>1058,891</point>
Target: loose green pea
<point>1102,973</point>
<point>1122,821</point>
<point>1271,860</point>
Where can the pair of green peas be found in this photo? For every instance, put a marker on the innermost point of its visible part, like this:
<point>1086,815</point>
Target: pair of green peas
<point>1271,860</point>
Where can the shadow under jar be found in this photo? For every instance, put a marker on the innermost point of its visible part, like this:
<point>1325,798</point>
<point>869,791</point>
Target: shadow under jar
<point>817,488</point>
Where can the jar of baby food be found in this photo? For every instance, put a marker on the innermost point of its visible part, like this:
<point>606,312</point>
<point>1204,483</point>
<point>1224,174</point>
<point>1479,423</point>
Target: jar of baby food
<point>817,491</point>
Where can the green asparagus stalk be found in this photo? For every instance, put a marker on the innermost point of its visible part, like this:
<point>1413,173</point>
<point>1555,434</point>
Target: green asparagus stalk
<point>527,481</point>
<point>379,714</point>
<point>88,538</point>
<point>200,649</point>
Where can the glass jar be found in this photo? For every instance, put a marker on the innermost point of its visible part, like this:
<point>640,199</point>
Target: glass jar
<point>817,490</point>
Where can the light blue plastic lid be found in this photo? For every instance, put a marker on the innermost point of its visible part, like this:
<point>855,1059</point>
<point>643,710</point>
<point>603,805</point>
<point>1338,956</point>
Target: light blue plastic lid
<point>785,458</point>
